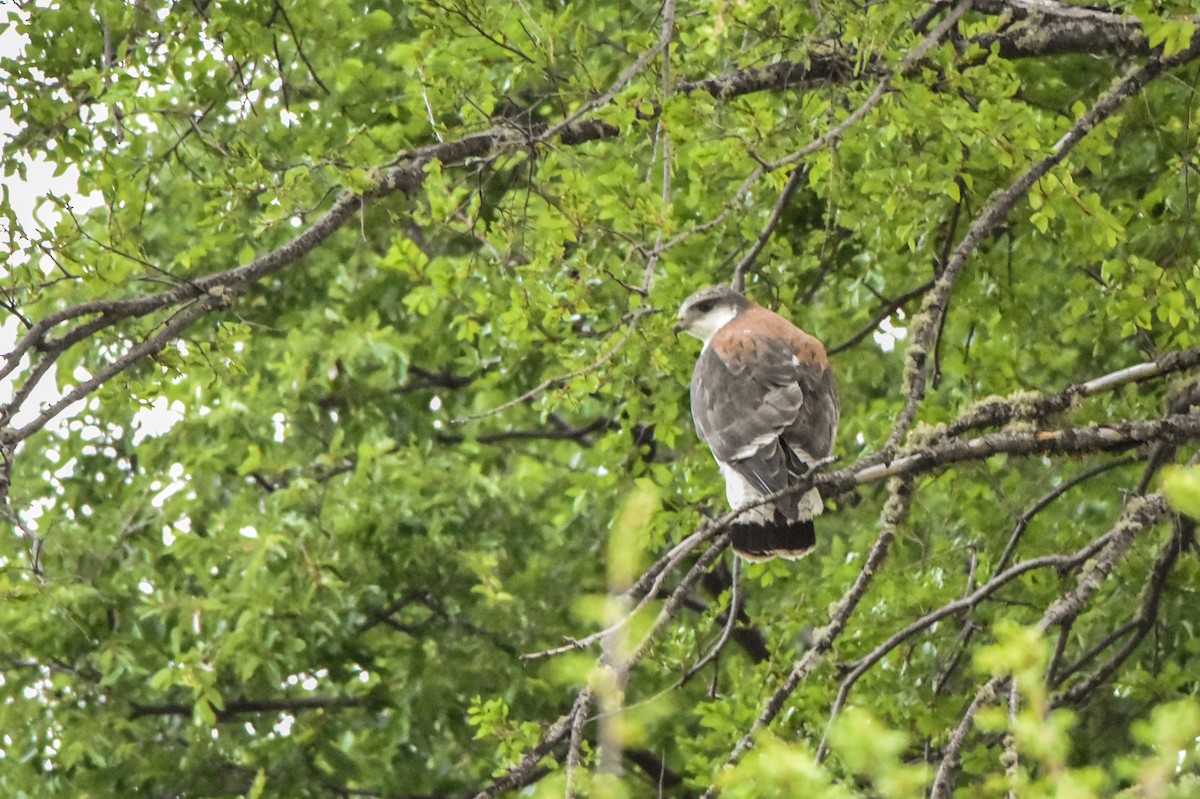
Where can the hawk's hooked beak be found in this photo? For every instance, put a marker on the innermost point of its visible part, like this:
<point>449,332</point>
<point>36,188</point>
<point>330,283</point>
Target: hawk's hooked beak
<point>679,328</point>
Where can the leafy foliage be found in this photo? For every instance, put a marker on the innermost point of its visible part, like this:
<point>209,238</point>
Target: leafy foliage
<point>402,278</point>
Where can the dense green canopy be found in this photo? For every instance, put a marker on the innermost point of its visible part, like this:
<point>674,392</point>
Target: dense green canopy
<point>342,409</point>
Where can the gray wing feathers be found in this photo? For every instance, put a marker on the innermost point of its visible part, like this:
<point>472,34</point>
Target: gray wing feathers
<point>768,420</point>
<point>810,436</point>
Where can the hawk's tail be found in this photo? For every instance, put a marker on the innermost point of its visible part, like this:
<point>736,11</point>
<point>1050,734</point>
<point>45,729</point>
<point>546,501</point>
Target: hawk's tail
<point>779,538</point>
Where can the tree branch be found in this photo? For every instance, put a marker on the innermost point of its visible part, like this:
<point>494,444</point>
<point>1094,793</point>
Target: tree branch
<point>246,706</point>
<point>1060,563</point>
<point>1052,28</point>
<point>1139,513</point>
<point>884,313</point>
<point>897,508</point>
<point>935,303</point>
<point>1140,625</point>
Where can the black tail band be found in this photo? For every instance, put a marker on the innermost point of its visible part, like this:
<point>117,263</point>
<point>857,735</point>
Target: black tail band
<point>788,539</point>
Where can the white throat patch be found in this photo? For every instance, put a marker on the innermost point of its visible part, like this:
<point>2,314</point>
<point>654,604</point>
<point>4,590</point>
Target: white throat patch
<point>706,326</point>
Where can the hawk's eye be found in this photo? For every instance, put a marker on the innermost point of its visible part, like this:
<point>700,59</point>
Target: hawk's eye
<point>704,306</point>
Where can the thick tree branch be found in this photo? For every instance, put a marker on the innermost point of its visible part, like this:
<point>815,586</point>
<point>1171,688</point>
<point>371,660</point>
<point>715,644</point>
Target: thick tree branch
<point>1140,513</point>
<point>1061,563</point>
<point>819,69</point>
<point>1070,441</point>
<point>1044,29</point>
<point>1140,625</point>
<point>934,306</point>
<point>897,508</point>
<point>246,706</point>
<point>1047,28</point>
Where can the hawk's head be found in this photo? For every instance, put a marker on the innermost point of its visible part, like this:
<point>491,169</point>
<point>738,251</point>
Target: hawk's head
<point>709,310</point>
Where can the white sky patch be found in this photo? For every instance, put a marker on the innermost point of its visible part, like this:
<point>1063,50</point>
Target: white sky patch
<point>435,405</point>
<point>248,532</point>
<point>176,484</point>
<point>279,422</point>
<point>283,727</point>
<point>26,198</point>
<point>146,587</point>
<point>888,334</point>
<point>67,470</point>
<point>157,418</point>
<point>309,682</point>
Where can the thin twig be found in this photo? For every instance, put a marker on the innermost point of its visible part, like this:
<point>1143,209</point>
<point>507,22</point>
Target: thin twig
<point>884,313</point>
<point>566,378</point>
<point>726,631</point>
<point>1046,500</point>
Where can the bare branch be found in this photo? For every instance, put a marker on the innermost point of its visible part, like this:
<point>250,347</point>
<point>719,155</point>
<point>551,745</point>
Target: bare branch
<point>994,412</point>
<point>934,306</point>
<point>1069,441</point>
<point>1057,562</point>
<point>896,510</point>
<point>789,188</point>
<point>943,781</point>
<point>575,747</point>
<point>1140,513</point>
<point>1140,625</point>
<point>246,706</point>
<point>1053,28</point>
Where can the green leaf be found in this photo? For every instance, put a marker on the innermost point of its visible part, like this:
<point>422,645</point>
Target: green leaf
<point>1182,487</point>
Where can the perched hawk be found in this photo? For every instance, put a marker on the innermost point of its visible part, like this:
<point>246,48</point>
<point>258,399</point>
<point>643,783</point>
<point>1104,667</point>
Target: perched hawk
<point>764,401</point>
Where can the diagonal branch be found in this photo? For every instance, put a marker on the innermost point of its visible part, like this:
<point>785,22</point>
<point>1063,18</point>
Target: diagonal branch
<point>1060,563</point>
<point>1140,513</point>
<point>988,221</point>
<point>1140,626</point>
<point>899,503</point>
